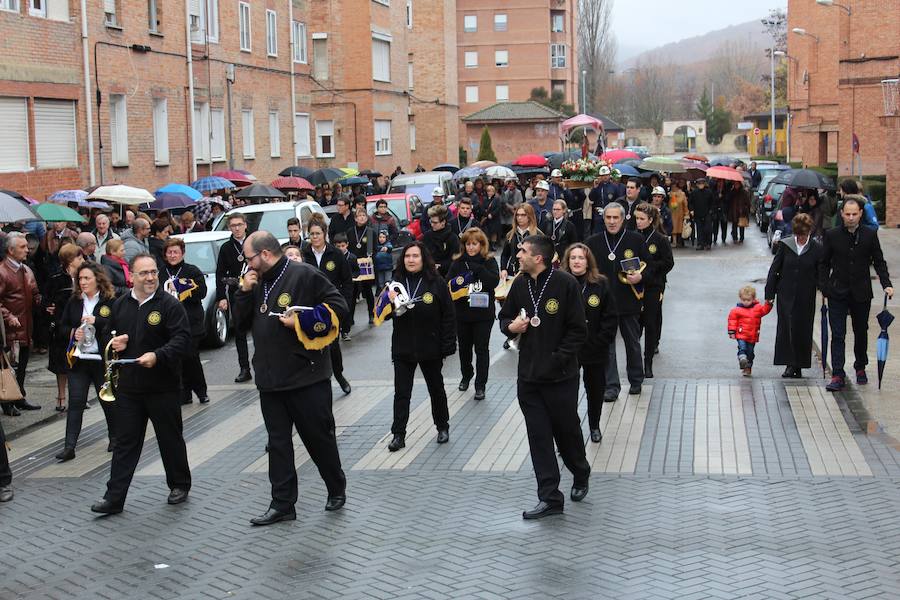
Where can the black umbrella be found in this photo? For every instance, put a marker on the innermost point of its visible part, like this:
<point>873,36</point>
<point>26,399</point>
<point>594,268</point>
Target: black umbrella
<point>823,341</point>
<point>556,159</point>
<point>884,318</point>
<point>369,173</point>
<point>450,168</point>
<point>631,162</point>
<point>259,190</point>
<point>804,178</point>
<point>303,172</point>
<point>326,175</point>
<point>724,160</point>
<point>530,170</point>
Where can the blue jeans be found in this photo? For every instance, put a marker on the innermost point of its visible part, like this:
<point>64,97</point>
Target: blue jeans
<point>746,348</point>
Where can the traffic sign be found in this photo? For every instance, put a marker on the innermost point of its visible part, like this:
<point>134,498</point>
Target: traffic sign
<point>756,131</point>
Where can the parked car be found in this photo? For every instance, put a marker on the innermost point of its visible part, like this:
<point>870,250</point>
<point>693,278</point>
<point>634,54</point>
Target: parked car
<point>767,173</point>
<point>272,217</point>
<point>406,208</point>
<point>641,151</point>
<point>422,184</point>
<point>202,250</point>
<point>765,203</point>
<point>778,227</point>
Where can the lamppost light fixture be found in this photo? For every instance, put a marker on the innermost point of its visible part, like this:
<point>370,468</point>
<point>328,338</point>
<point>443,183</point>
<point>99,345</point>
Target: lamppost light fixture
<point>802,32</point>
<point>833,3</point>
<point>780,53</point>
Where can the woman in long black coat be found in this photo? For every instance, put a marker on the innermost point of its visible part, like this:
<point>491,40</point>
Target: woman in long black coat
<point>792,282</point>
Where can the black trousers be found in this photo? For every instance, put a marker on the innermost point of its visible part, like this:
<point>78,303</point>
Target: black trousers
<point>651,320</point>
<point>337,359</point>
<point>240,342</point>
<point>630,328</point>
<point>719,222</point>
<point>737,233</point>
<point>133,411</point>
<point>859,320</point>
<point>308,409</point>
<point>577,219</point>
<point>477,335</point>
<point>5,472</point>
<point>551,415</point>
<point>21,366</point>
<point>81,377</point>
<point>403,385</point>
<point>364,289</point>
<point>594,376</point>
<point>701,231</point>
<point>193,378</point>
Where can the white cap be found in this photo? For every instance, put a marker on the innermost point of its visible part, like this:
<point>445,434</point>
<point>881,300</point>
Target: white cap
<point>543,185</point>
<point>437,191</point>
<point>604,170</point>
<point>658,191</point>
<point>556,173</point>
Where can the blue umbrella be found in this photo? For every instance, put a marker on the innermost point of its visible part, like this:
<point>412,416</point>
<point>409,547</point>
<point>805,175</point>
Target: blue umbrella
<point>355,180</point>
<point>468,173</point>
<point>179,188</point>
<point>885,318</point>
<point>627,170</point>
<point>66,196</point>
<point>211,184</point>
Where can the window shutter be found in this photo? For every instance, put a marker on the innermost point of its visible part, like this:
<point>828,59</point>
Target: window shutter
<point>14,149</point>
<point>54,133</point>
<point>109,6</point>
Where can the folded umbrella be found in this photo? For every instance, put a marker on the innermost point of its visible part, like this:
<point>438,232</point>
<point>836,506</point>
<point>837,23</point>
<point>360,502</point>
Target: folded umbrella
<point>884,318</point>
<point>11,210</point>
<point>823,339</point>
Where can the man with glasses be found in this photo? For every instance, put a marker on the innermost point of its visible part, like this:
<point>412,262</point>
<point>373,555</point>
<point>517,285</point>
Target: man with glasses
<point>152,331</point>
<point>342,222</point>
<point>229,267</point>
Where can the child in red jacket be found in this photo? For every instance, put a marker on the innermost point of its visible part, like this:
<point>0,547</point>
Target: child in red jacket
<point>744,321</point>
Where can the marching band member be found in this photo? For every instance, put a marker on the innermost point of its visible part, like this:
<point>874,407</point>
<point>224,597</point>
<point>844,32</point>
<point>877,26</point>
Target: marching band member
<point>649,226</point>
<point>229,266</point>
<point>559,229</point>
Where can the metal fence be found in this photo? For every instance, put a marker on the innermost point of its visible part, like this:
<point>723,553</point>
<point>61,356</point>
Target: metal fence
<point>890,89</point>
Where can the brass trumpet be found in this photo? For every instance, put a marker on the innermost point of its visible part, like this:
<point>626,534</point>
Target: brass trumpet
<point>107,391</point>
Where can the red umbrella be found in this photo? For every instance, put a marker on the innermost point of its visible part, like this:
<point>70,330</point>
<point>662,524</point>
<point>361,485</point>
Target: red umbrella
<point>236,177</point>
<point>292,183</point>
<point>726,173</point>
<point>614,156</point>
<point>530,160</point>
<point>697,157</point>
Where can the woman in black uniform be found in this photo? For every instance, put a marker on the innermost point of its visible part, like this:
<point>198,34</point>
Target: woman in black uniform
<point>57,293</point>
<point>423,335</point>
<point>361,238</point>
<point>90,304</point>
<point>186,283</point>
<point>601,323</point>
<point>473,276</point>
<point>649,225</point>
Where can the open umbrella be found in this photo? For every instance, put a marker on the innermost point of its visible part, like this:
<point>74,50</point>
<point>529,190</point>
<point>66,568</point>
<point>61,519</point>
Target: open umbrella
<point>122,194</point>
<point>170,200</point>
<point>203,208</point>
<point>350,171</point>
<point>447,167</point>
<point>179,188</point>
<point>500,172</point>
<point>57,213</point>
<point>884,318</point>
<point>25,200</point>
<point>11,210</point>
<point>556,159</point>
<point>726,173</point>
<point>66,196</point>
<point>724,160</point>
<point>293,183</point>
<point>530,160</point>
<point>303,172</point>
<point>212,184</point>
<point>694,169</point>
<point>661,163</point>
<point>627,170</point>
<point>823,336</point>
<point>236,176</point>
<point>804,178</point>
<point>520,171</point>
<point>326,175</point>
<point>614,156</point>
<point>470,172</point>
<point>259,190</point>
<point>484,164</point>
<point>372,173</point>
<point>355,180</point>
<point>697,157</point>
<point>631,162</point>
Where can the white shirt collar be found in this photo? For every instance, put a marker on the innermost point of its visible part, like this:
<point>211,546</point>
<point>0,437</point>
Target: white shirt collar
<point>140,304</point>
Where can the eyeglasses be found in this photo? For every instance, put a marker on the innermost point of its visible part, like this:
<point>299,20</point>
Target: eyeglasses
<point>249,258</point>
<point>147,274</point>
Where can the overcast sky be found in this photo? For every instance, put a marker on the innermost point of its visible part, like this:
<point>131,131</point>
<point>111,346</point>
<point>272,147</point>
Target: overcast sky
<point>646,24</point>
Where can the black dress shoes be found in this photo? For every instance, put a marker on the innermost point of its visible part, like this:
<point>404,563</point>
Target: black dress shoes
<point>106,507</point>
<point>398,442</point>
<point>6,493</point>
<point>791,373</point>
<point>596,436</point>
<point>10,411</point>
<point>648,368</point>
<point>579,491</point>
<point>335,502</point>
<point>635,390</point>
<point>111,446</point>
<point>479,393</point>
<point>345,385</point>
<point>611,396</point>
<point>542,510</point>
<point>177,496</point>
<point>66,454</point>
<point>443,436</point>
<point>243,376</point>
<point>464,384</point>
<point>274,516</point>
<point>204,399</point>
<point>25,405</point>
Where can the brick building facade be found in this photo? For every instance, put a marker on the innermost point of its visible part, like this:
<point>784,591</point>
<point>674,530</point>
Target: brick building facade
<point>275,83</point>
<point>835,72</point>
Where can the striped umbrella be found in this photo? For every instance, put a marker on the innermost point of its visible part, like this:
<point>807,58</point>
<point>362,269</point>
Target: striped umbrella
<point>212,184</point>
<point>66,196</point>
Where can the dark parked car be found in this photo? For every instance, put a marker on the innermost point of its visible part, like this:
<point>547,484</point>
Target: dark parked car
<point>765,203</point>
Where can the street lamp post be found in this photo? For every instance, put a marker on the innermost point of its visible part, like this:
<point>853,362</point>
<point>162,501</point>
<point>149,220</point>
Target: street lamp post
<point>583,91</point>
<point>772,98</point>
<point>833,3</point>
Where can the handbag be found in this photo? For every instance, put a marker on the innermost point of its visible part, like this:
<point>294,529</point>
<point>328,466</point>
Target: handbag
<point>9,386</point>
<point>743,222</point>
<point>686,230</point>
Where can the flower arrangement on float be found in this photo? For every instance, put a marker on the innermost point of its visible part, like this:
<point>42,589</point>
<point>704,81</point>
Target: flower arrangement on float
<point>582,172</point>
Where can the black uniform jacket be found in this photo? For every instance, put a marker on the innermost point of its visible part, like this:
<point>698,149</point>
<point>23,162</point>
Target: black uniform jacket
<point>661,258</point>
<point>193,304</point>
<point>361,240</point>
<point>280,361</point>
<point>846,258</point>
<point>228,267</point>
<point>485,275</point>
<point>159,325</point>
<point>627,303</point>
<point>459,224</point>
<point>340,224</point>
<point>549,352</point>
<point>442,245</point>
<point>508,260</point>
<point>628,216</point>
<point>701,201</point>
<point>428,330</point>
<point>563,235</point>
<point>600,313</point>
<point>71,319</point>
<point>336,268</point>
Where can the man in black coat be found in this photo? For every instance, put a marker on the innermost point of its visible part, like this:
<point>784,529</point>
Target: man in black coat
<point>604,191</point>
<point>700,203</point>
<point>629,203</point>
<point>551,335</point>
<point>559,229</point>
<point>342,221</point>
<point>293,381</point>
<point>848,252</point>
<point>610,248</point>
<point>229,267</point>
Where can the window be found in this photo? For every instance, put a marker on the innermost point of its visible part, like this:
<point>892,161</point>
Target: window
<point>557,20</point>
<point>160,131</point>
<point>500,22</point>
<point>204,20</point>
<point>271,33</point>
<point>244,25</point>
<point>557,56</point>
<point>558,87</point>
<point>247,134</point>
<point>298,33</point>
<point>10,5</point>
<point>109,12</point>
<point>37,8</point>
<point>502,93</point>
<point>320,56</point>
<point>54,134</point>
<point>201,132</point>
<point>412,136</point>
<point>274,135</point>
<point>324,139</point>
<point>471,60</point>
<point>14,149</point>
<point>501,58</point>
<point>409,75</point>
<point>381,60</point>
<point>470,23</point>
<point>217,139</point>
<point>382,138</point>
<point>301,134</point>
<point>409,14</point>
<point>118,130</point>
<point>471,93</point>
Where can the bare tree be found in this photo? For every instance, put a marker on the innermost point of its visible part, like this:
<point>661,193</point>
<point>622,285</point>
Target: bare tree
<point>596,46</point>
<point>652,94</point>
